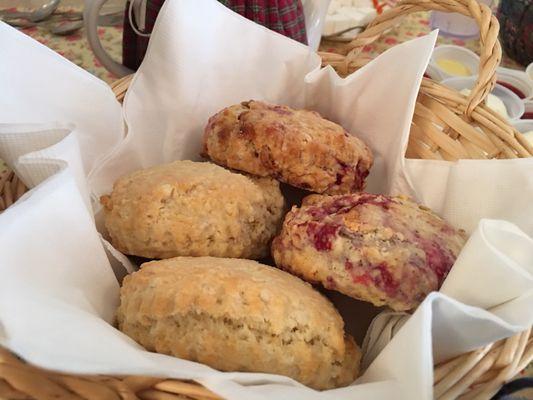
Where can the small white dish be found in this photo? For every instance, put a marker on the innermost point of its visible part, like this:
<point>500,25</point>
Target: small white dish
<point>456,53</point>
<point>529,72</point>
<point>434,73</point>
<point>515,80</point>
<point>528,110</point>
<point>524,125</point>
<point>513,103</point>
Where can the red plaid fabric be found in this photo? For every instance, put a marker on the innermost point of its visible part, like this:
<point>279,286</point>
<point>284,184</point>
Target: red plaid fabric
<point>283,16</point>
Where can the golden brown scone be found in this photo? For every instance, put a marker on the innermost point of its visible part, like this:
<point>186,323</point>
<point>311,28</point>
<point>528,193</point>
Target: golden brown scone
<point>297,147</point>
<point>238,315</point>
<point>386,250</point>
<point>191,208</point>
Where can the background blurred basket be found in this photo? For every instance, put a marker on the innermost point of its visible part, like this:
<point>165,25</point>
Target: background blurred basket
<point>446,125</point>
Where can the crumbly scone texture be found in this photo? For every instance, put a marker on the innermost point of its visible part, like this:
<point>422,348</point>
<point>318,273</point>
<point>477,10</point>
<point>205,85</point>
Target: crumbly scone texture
<point>297,147</point>
<point>238,315</point>
<point>188,208</point>
<point>384,250</point>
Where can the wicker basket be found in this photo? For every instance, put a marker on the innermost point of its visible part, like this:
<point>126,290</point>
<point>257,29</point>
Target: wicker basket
<point>446,125</point>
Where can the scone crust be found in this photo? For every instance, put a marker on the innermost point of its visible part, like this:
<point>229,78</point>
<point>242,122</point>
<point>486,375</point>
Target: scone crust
<point>193,209</point>
<point>384,250</point>
<point>238,315</point>
<point>297,147</point>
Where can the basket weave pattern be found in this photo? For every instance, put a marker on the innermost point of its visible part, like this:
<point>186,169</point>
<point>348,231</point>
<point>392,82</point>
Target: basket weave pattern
<point>475,375</point>
<point>446,126</point>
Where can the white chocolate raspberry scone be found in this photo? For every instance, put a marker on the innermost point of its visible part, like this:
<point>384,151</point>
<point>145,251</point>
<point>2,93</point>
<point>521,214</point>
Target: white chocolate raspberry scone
<point>384,250</point>
<point>297,147</point>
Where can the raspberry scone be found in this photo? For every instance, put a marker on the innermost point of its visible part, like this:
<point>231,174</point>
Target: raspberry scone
<point>384,250</point>
<point>297,147</point>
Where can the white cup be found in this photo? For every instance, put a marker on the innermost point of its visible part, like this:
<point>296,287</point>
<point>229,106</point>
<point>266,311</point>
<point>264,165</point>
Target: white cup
<point>513,103</point>
<point>460,54</point>
<point>528,112</point>
<point>516,78</point>
<point>529,72</point>
<point>434,72</point>
<point>524,126</point>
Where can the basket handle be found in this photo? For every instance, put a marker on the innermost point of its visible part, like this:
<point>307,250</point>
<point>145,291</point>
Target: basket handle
<point>490,49</point>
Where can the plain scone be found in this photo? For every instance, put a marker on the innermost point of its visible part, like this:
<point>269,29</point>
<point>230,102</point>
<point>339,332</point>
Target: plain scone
<point>297,147</point>
<point>384,250</point>
<point>191,208</point>
<point>238,315</point>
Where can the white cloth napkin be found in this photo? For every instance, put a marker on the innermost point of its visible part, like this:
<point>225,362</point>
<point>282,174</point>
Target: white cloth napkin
<point>58,292</point>
<point>38,86</point>
<point>465,191</point>
<point>37,151</point>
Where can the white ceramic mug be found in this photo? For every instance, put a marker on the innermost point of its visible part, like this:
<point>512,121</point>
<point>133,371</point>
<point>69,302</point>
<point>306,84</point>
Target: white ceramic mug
<point>91,12</point>
<point>314,10</point>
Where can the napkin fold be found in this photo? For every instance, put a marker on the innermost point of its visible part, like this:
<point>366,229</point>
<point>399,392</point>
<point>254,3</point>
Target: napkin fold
<point>37,151</point>
<point>494,272</point>
<point>497,254</point>
<point>465,191</point>
<point>40,87</point>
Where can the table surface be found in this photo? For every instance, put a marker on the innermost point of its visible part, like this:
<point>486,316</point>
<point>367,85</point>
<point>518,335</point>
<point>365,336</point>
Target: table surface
<point>76,47</point>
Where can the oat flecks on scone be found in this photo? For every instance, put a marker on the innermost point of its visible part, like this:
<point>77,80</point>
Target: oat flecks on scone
<point>191,208</point>
<point>297,147</point>
<point>384,250</point>
<point>238,315</point>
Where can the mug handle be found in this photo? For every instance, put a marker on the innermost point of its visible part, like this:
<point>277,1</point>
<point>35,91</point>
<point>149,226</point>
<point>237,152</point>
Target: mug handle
<point>90,18</point>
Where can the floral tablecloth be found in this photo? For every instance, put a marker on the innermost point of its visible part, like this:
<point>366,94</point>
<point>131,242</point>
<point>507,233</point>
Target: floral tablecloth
<point>76,47</point>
